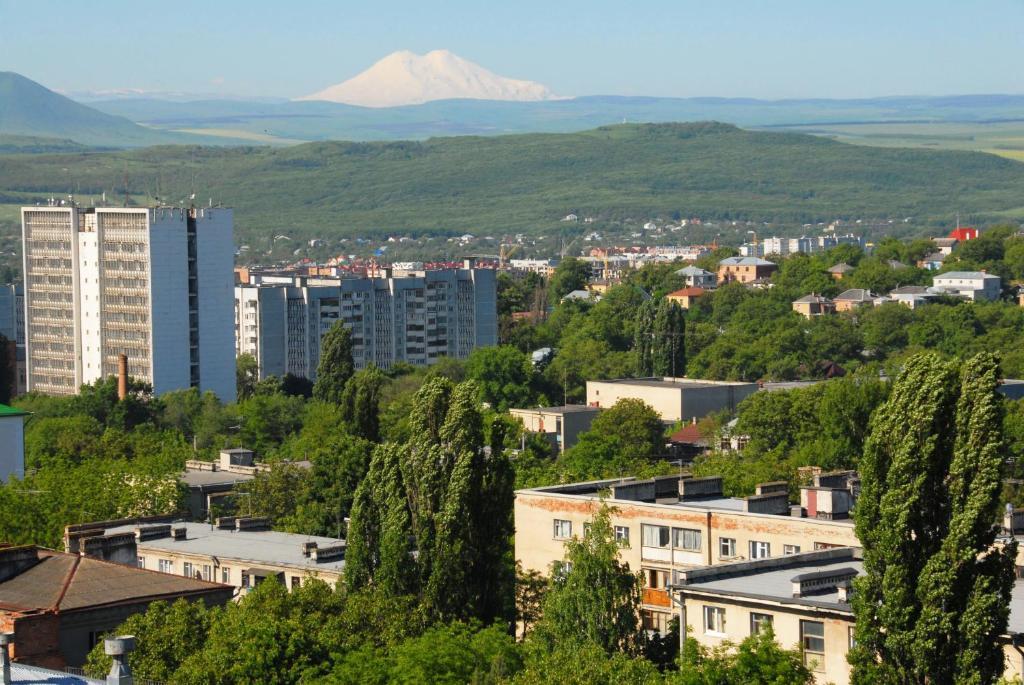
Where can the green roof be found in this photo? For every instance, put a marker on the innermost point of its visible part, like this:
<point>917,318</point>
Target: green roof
<point>11,411</point>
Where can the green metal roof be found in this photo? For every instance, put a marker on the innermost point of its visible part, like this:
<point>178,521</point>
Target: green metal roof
<point>11,411</point>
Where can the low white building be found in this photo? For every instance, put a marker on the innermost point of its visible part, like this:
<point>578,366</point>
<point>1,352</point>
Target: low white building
<point>697,277</point>
<point>974,285</point>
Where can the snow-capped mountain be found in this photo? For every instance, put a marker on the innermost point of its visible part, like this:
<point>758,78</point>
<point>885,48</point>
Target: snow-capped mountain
<point>405,78</point>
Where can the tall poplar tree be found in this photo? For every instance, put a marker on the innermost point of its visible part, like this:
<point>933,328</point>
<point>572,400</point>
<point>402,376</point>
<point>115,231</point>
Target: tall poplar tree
<point>643,338</point>
<point>360,403</point>
<point>668,344</point>
<point>935,592</point>
<point>451,497</point>
<point>336,365</point>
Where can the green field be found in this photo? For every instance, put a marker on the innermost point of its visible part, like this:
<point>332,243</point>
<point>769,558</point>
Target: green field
<point>1000,138</point>
<point>620,175</point>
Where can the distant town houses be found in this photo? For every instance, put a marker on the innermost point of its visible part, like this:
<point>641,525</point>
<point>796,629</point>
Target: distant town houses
<point>974,286</point>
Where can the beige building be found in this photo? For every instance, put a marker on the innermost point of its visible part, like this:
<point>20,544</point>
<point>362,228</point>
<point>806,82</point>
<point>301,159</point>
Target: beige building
<point>685,297</point>
<point>744,269</point>
<point>813,305</point>
<point>561,425</point>
<point>848,300</point>
<point>675,399</point>
<point>234,551</point>
<point>805,598</point>
<point>670,524</point>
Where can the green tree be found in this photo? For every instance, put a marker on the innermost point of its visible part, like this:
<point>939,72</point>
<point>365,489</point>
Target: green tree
<point>757,660</point>
<point>668,340</point>
<point>360,403</point>
<point>936,591</point>
<point>594,597</point>
<point>247,375</point>
<point>634,422</point>
<point>503,374</point>
<point>643,341</point>
<point>170,633</point>
<point>570,274</point>
<point>336,365</point>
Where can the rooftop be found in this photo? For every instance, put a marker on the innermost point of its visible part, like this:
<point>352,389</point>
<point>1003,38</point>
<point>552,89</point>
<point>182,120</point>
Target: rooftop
<point>58,581</point>
<point>840,268</point>
<point>195,478</point>
<point>855,295</point>
<point>745,261</point>
<point>971,275</point>
<point>812,299</point>
<point>256,547</point>
<point>669,382</point>
<point>23,674</point>
<point>692,271</point>
<point>566,409</point>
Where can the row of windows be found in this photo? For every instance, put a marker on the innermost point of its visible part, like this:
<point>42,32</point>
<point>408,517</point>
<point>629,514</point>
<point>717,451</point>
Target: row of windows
<point>563,531</point>
<point>190,570</point>
<point>812,633</point>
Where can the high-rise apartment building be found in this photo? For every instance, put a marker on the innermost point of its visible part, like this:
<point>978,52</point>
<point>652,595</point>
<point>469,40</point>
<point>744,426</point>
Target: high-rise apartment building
<point>151,283</point>
<point>413,316</point>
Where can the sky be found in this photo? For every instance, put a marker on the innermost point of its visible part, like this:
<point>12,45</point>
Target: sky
<point>679,48</point>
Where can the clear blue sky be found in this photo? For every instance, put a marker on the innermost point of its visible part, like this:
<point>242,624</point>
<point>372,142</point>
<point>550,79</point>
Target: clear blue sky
<point>754,48</point>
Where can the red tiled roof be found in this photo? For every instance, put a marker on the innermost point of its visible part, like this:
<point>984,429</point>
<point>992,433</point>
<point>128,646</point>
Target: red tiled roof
<point>688,434</point>
<point>688,292</point>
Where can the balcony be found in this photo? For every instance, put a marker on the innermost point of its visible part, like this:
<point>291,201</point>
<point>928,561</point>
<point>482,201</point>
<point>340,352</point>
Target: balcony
<point>657,598</point>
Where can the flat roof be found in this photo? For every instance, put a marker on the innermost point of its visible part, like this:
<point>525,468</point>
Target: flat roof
<point>680,383</point>
<point>24,674</point>
<point>250,547</point>
<point>196,478</point>
<point>565,409</point>
<point>718,502</point>
<point>777,583</point>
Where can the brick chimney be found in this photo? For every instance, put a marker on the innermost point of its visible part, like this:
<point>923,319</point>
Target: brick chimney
<point>5,659</point>
<point>122,376</point>
<point>118,648</point>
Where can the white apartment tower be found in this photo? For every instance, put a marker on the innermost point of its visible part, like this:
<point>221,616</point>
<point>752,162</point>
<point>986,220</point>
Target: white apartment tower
<point>414,316</point>
<point>152,283</point>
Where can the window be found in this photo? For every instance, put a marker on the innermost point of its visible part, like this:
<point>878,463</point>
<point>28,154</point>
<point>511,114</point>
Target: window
<point>759,622</point>
<point>207,572</point>
<point>726,548</point>
<point>225,575</point>
<point>141,562</point>
<point>655,621</point>
<point>791,549</point>
<point>825,545</point>
<point>622,535</point>
<point>812,639</point>
<point>654,536</point>
<point>296,582</point>
<point>657,579</point>
<point>165,566</point>
<point>851,638</point>
<point>563,529</point>
<point>560,569</point>
<point>760,550</point>
<point>187,571</point>
<point>714,620</point>
<point>686,538</point>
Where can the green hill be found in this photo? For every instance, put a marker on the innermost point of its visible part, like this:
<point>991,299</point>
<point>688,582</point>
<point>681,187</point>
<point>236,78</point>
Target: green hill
<point>528,182</point>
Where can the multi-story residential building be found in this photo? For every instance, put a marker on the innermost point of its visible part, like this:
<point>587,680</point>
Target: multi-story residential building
<point>236,551</point>
<point>670,524</point>
<point>744,269</point>
<point>12,327</point>
<point>805,598</point>
<point>410,316</point>
<point>151,283</point>
<point>675,399</point>
<point>974,285</point>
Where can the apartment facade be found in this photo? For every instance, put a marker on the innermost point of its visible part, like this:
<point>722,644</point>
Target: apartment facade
<point>805,598</point>
<point>409,316</point>
<point>974,285</point>
<point>12,327</point>
<point>744,269</point>
<point>151,283</point>
<point>671,524</point>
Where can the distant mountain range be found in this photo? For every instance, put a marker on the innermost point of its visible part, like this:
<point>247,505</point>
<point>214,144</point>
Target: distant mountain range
<point>29,109</point>
<point>405,78</point>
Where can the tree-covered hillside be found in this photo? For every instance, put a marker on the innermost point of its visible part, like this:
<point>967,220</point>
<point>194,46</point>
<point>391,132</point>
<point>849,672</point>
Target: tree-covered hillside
<point>527,183</point>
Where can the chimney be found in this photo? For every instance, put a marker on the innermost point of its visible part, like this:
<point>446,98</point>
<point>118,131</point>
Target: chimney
<point>118,648</point>
<point>122,376</point>
<point>5,659</point>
